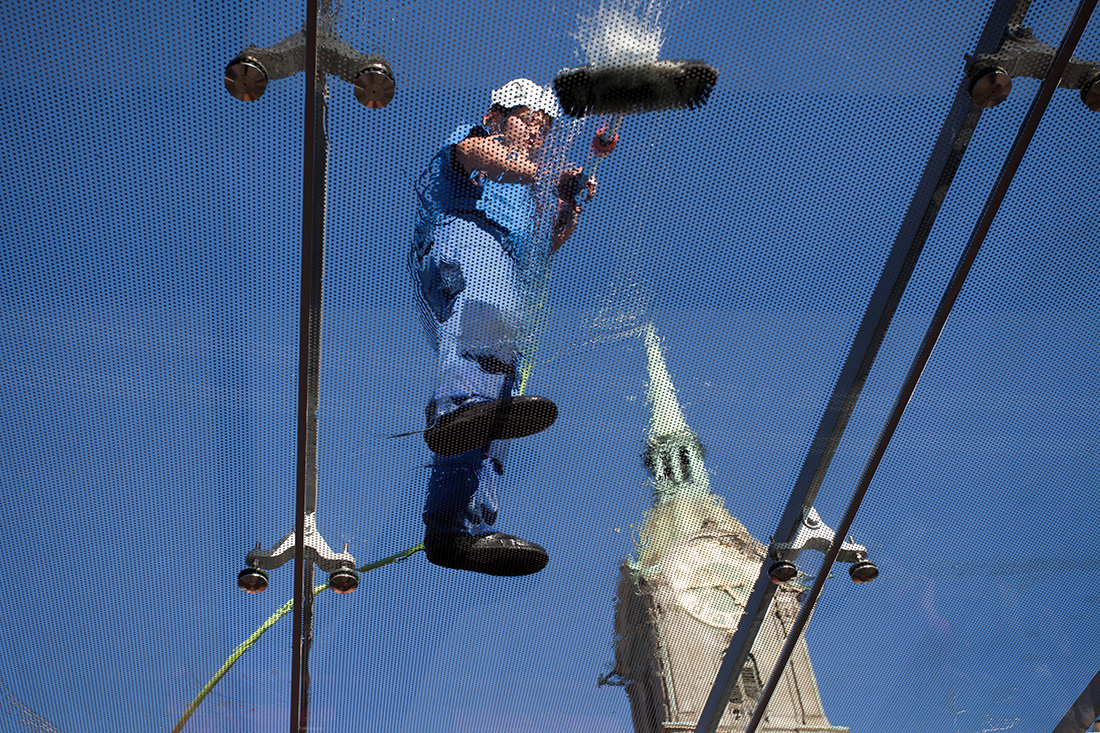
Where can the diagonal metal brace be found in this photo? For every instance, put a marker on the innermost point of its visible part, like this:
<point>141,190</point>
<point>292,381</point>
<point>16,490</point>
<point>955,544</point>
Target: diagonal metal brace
<point>943,162</point>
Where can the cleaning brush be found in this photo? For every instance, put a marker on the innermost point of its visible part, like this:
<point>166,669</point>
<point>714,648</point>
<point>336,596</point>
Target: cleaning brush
<point>634,88</point>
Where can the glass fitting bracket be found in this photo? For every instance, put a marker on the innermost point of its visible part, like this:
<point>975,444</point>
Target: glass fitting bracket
<point>813,534</point>
<point>248,74</point>
<point>1021,54</point>
<point>316,549</point>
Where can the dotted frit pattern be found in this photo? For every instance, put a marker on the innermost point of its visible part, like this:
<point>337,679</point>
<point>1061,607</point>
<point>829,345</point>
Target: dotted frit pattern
<point>700,313</point>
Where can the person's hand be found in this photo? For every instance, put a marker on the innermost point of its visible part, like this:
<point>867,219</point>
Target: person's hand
<point>511,152</point>
<point>568,182</point>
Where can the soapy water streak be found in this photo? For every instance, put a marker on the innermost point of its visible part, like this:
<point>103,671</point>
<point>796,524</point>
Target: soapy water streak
<point>617,32</point>
<point>26,718</point>
<point>621,32</point>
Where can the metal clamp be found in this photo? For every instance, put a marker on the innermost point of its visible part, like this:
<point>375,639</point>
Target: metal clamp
<point>247,75</point>
<point>1021,54</point>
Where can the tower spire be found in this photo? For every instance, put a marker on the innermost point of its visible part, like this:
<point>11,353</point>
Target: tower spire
<point>666,417</point>
<point>683,504</point>
<point>674,456</point>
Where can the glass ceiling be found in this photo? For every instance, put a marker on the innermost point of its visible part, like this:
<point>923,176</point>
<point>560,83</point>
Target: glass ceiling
<point>151,289</point>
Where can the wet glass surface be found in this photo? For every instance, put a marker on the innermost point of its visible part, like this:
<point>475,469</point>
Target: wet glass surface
<point>151,291</point>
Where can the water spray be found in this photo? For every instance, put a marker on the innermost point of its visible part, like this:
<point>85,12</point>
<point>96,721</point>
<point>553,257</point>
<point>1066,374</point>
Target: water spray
<point>624,76</point>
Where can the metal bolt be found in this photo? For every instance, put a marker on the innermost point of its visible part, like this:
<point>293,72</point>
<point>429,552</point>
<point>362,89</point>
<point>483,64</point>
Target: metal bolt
<point>1090,94</point>
<point>782,571</point>
<point>344,581</point>
<point>245,79</point>
<point>863,572</point>
<point>252,580</point>
<point>990,86</point>
<point>374,86</point>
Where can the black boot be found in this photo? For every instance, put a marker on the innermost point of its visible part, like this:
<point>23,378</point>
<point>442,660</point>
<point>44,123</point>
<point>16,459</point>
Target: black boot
<point>476,425</point>
<point>492,554</point>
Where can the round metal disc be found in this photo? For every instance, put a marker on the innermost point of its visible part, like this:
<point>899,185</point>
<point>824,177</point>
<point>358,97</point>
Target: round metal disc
<point>863,572</point>
<point>782,571</point>
<point>252,580</point>
<point>990,87</point>
<point>344,581</point>
<point>245,81</point>
<point>1090,95</point>
<point>374,87</point>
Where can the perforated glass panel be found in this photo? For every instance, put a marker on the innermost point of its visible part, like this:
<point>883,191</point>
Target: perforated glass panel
<point>690,331</point>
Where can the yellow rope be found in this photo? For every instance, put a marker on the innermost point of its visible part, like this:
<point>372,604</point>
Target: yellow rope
<point>284,610</point>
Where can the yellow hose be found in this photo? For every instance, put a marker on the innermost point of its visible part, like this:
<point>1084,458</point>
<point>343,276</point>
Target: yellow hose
<point>282,611</point>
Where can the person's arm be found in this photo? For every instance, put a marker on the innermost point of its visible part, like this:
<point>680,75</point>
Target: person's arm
<point>496,161</point>
<point>565,222</point>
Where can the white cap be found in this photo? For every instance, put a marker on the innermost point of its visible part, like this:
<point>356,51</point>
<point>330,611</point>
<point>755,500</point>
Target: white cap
<point>526,93</point>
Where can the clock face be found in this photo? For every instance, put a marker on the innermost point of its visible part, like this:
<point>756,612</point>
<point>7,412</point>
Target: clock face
<point>712,581</point>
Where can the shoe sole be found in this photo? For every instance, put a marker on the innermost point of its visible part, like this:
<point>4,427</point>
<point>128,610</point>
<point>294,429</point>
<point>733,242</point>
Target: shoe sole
<point>506,563</point>
<point>502,562</point>
<point>472,428</point>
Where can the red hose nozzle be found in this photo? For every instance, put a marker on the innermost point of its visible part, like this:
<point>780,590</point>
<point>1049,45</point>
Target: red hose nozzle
<point>602,143</point>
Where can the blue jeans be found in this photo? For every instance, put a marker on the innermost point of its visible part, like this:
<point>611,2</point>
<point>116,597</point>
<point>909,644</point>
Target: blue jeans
<point>471,309</point>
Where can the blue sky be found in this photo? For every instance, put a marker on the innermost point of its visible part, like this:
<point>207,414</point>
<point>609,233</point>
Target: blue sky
<point>150,286</point>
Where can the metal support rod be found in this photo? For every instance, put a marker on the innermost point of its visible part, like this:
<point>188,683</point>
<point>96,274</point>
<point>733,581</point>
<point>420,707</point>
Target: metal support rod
<point>1084,712</point>
<point>320,189</point>
<point>298,705</point>
<point>939,172</point>
<point>928,344</point>
<point>307,642</point>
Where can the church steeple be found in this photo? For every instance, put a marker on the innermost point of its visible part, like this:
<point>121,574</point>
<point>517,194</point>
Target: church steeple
<point>683,504</point>
<point>681,596</point>
<point>666,417</point>
<point>674,456</point>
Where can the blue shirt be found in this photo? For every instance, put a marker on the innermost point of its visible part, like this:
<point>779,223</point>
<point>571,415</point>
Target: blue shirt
<point>446,190</point>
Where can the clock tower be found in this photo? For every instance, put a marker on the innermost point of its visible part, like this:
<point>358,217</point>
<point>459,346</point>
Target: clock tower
<point>682,595</point>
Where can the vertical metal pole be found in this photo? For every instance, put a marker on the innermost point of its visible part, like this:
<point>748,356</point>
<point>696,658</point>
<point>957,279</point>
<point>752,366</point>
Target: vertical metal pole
<point>313,269</point>
<point>308,300</point>
<point>306,641</point>
<point>320,189</point>
<point>935,329</point>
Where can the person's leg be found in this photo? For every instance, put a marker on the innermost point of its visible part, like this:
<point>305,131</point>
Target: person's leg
<point>472,403</point>
<point>470,305</point>
<point>462,491</point>
<point>480,312</point>
<point>478,338</point>
<point>460,510</point>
